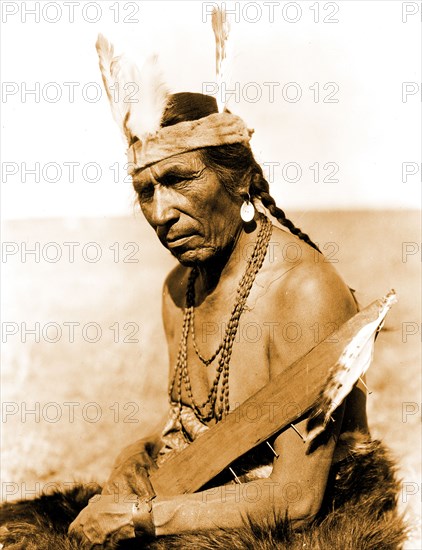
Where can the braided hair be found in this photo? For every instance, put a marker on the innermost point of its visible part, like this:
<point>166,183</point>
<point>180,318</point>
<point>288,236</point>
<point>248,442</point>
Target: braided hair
<point>232,163</point>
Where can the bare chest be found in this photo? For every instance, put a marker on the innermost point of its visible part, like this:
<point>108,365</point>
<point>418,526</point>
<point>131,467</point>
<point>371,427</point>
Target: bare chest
<point>210,327</point>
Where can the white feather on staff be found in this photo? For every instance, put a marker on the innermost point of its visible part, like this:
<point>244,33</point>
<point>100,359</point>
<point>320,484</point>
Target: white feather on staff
<point>221,28</point>
<point>352,364</point>
<point>137,98</point>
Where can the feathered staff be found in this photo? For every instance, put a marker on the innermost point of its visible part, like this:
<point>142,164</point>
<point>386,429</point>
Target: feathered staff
<point>137,98</point>
<point>203,459</point>
<point>221,28</point>
<point>350,367</point>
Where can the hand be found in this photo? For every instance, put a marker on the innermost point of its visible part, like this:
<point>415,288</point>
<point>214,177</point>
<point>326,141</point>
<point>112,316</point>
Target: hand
<point>106,520</point>
<point>131,475</point>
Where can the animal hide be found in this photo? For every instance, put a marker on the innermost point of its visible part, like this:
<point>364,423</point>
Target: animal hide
<point>359,512</point>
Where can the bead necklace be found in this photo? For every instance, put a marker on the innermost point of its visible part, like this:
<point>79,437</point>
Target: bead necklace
<point>219,393</point>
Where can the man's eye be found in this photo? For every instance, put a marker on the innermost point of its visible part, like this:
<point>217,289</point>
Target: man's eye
<point>174,180</point>
<point>145,193</point>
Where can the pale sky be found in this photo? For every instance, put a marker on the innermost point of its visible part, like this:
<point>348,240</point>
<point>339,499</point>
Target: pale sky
<point>350,122</point>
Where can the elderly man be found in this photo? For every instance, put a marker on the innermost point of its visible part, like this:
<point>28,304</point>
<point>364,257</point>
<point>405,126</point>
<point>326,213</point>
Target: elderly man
<point>205,197</point>
<point>211,208</point>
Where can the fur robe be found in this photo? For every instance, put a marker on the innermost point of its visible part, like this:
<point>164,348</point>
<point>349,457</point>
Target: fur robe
<point>359,512</point>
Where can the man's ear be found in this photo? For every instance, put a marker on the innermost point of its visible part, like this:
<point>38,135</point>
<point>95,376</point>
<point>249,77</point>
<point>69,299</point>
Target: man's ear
<point>244,194</point>
<point>245,186</point>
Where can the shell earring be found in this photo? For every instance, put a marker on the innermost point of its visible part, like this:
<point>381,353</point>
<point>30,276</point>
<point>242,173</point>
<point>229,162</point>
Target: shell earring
<point>247,210</point>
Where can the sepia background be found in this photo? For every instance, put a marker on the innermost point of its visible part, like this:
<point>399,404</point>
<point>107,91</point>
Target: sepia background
<point>338,138</point>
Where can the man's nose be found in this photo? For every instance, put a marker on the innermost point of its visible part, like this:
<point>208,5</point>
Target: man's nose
<point>164,209</point>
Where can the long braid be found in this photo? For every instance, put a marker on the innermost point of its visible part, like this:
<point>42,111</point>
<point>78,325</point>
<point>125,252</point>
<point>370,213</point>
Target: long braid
<point>260,188</point>
<point>235,163</point>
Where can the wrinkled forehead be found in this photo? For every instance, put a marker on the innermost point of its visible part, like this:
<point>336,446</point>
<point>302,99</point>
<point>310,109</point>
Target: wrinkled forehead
<point>184,164</point>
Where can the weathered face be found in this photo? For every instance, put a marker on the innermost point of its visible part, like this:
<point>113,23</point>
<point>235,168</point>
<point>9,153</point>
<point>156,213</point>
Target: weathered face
<point>190,210</point>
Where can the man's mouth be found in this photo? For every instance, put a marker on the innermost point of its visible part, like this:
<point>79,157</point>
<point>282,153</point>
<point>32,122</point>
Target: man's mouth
<point>174,242</point>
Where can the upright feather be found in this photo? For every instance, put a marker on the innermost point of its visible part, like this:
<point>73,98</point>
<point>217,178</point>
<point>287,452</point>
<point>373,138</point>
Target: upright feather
<point>221,28</point>
<point>109,67</point>
<point>147,112</point>
<point>137,98</point>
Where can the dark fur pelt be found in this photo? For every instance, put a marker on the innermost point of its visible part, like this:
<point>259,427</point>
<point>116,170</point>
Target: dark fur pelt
<point>359,512</point>
<point>42,523</point>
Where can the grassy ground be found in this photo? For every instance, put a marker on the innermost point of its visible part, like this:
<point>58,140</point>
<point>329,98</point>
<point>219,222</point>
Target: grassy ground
<point>92,398</point>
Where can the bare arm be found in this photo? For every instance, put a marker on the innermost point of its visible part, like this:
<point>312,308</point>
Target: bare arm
<point>295,487</point>
<point>298,480</point>
<point>313,296</point>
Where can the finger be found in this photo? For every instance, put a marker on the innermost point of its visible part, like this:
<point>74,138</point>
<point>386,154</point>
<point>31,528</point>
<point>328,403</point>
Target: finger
<point>76,533</point>
<point>131,476</point>
<point>118,485</point>
<point>140,482</point>
<point>148,461</point>
<point>124,482</point>
<point>122,534</point>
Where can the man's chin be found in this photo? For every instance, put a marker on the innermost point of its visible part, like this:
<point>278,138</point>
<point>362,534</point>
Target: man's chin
<point>194,256</point>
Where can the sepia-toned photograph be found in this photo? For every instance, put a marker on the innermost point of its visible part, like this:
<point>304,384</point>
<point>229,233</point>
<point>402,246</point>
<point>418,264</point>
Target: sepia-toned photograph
<point>210,275</point>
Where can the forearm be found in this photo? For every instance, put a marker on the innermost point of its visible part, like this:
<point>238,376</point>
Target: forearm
<point>228,506</point>
<point>295,488</point>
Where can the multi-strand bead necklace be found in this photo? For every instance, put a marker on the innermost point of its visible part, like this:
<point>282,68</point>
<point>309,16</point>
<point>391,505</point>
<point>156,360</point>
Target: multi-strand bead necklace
<point>216,406</point>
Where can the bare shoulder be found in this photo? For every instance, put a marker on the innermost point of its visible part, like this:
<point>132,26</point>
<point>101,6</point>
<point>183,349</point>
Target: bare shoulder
<point>303,295</point>
<point>303,279</point>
